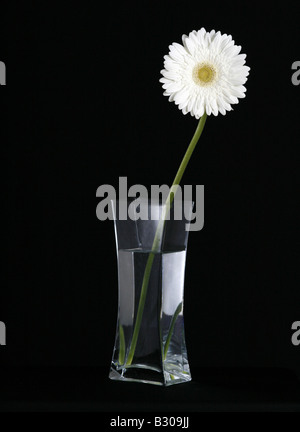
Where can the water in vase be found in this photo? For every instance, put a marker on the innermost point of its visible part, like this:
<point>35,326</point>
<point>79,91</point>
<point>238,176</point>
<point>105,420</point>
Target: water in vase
<point>160,355</point>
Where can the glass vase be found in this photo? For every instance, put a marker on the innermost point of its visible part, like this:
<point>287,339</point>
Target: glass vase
<point>151,244</point>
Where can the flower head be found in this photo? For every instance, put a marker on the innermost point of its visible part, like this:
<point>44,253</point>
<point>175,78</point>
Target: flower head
<point>205,74</point>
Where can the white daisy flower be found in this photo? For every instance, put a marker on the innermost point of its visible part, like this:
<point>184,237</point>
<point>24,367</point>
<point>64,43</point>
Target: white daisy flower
<point>206,74</point>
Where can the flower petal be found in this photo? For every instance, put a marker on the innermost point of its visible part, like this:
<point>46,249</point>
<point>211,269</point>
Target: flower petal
<point>212,50</point>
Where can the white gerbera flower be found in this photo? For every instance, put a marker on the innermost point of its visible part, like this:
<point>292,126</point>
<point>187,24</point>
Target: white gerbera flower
<point>205,74</point>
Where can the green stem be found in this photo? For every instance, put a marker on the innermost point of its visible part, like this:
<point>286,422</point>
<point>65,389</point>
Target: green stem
<point>158,235</point>
<point>176,313</point>
<point>189,151</point>
<point>122,345</point>
<point>140,311</point>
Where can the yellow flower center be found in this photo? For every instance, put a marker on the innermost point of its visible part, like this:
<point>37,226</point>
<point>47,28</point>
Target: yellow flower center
<point>204,74</point>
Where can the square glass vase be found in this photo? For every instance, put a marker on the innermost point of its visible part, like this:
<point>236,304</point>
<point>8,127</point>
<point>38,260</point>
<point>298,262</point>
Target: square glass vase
<point>151,244</point>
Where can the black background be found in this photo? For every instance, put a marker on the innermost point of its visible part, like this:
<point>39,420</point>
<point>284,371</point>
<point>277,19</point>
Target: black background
<point>82,107</point>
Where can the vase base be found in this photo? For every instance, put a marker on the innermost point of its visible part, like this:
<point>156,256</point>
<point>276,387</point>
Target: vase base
<point>140,373</point>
